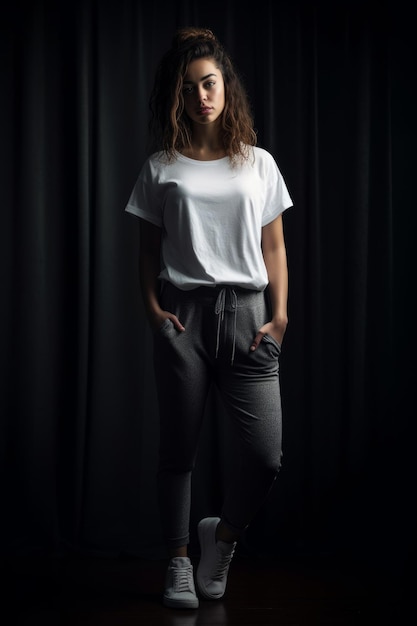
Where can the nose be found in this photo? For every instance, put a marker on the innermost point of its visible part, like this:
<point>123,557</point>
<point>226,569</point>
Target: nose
<point>202,94</point>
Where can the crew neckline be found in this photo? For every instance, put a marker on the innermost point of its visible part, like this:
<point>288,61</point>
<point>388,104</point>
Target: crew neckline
<point>190,160</point>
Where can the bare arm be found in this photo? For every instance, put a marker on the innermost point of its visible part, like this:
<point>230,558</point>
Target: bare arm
<point>275,256</point>
<point>149,269</point>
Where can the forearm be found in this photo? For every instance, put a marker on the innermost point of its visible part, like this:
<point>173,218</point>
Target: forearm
<point>275,258</point>
<point>276,264</point>
<point>149,270</point>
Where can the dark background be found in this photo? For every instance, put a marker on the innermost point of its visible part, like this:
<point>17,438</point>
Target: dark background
<point>332,88</point>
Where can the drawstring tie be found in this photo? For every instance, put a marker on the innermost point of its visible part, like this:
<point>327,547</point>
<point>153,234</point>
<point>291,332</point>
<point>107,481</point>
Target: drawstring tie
<point>219,310</point>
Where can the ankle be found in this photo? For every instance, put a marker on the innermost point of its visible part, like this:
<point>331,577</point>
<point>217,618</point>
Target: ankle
<point>225,534</point>
<point>182,551</point>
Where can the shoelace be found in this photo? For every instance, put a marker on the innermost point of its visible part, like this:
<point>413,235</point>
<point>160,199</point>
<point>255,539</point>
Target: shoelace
<point>222,564</point>
<point>183,579</point>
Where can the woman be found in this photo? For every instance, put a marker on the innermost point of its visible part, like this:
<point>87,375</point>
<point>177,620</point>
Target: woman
<point>213,274</point>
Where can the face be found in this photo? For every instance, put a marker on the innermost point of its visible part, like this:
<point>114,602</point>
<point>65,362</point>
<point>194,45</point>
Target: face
<point>203,92</point>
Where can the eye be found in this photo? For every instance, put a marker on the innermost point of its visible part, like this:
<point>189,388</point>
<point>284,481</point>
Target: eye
<point>209,84</point>
<point>187,90</point>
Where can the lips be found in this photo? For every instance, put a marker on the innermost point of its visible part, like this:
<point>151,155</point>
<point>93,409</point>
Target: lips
<point>204,110</point>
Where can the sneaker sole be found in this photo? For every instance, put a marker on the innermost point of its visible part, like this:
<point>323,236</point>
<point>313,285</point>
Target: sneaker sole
<point>201,533</point>
<point>180,604</point>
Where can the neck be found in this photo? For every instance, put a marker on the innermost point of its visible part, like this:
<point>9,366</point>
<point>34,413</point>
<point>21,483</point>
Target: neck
<point>205,145</point>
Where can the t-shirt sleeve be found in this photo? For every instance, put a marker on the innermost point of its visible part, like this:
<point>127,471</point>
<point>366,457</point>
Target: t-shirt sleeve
<point>277,198</point>
<point>144,201</point>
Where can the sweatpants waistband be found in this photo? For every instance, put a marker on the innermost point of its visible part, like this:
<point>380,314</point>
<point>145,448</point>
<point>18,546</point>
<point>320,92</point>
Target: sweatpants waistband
<point>209,295</point>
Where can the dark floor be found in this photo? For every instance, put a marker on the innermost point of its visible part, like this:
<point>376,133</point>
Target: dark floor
<point>260,592</point>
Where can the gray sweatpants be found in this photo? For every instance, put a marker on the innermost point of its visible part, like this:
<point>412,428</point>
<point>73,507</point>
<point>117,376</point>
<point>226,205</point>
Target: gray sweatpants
<point>220,325</point>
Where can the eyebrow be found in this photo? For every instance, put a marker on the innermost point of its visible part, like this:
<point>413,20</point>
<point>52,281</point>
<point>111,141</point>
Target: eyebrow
<point>186,82</point>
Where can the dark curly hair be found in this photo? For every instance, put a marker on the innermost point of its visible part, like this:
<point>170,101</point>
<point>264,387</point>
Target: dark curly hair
<point>170,129</point>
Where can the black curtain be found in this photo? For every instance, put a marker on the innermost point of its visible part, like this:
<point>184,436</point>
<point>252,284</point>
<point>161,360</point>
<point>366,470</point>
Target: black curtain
<point>332,91</point>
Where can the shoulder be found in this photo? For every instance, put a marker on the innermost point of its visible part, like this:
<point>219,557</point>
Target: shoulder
<point>153,166</point>
<point>256,155</point>
<point>157,160</point>
<point>262,155</point>
<point>263,161</point>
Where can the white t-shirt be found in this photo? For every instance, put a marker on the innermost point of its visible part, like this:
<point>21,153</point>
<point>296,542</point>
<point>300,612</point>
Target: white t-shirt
<point>212,216</point>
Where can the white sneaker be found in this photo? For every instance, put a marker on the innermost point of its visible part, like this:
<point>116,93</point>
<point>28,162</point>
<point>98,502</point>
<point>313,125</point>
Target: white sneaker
<point>214,561</point>
<point>179,585</point>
